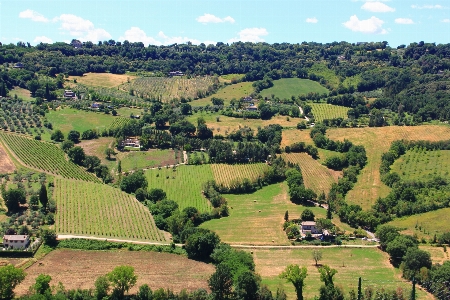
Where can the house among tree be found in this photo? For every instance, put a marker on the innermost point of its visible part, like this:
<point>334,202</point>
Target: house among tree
<point>18,65</point>
<point>252,107</point>
<point>309,227</point>
<point>16,241</point>
<point>440,73</point>
<point>247,99</point>
<point>69,94</point>
<point>131,142</point>
<point>175,73</point>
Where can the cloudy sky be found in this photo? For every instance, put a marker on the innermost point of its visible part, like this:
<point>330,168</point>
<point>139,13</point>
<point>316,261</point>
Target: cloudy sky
<point>162,22</point>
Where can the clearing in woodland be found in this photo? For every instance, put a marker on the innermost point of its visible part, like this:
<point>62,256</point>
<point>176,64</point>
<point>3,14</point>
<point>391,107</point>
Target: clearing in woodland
<point>322,111</point>
<point>77,269</point>
<point>225,174</point>
<point>287,87</point>
<point>106,80</point>
<point>371,264</point>
<point>315,175</point>
<point>257,219</point>
<point>182,184</point>
<point>233,91</point>
<point>24,94</point>
<point>86,208</point>
<point>419,164</point>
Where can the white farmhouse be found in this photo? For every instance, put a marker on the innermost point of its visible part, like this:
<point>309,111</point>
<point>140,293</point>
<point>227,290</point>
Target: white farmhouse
<point>16,241</point>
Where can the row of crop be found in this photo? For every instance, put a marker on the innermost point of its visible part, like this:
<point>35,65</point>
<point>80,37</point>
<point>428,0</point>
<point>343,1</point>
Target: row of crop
<point>328,111</point>
<point>44,156</point>
<point>91,209</point>
<point>225,174</point>
<point>118,122</point>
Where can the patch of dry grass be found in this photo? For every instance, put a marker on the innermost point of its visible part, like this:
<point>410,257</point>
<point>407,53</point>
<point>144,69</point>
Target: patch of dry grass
<point>107,80</point>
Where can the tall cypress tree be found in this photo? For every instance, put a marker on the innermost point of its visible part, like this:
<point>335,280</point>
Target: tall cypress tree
<point>43,197</point>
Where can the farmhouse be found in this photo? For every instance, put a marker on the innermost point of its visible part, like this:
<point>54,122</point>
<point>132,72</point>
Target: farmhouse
<point>247,99</point>
<point>309,227</point>
<point>252,107</point>
<point>16,241</point>
<point>176,73</point>
<point>18,65</point>
<point>69,94</point>
<point>132,142</point>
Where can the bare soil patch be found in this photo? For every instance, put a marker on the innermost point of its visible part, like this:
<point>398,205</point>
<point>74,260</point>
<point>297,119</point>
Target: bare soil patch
<point>79,269</point>
<point>6,165</point>
<point>96,147</point>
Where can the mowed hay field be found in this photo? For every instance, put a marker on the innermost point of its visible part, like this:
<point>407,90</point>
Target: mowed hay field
<point>287,87</point>
<point>224,174</point>
<point>257,219</point>
<point>106,80</point>
<point>322,111</point>
<point>135,160</point>
<point>428,224</point>
<point>315,175</point>
<point>227,93</point>
<point>92,209</point>
<point>421,164</point>
<point>182,184</point>
<point>351,263</point>
<point>79,269</point>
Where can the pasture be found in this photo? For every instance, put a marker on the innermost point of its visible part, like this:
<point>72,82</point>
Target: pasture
<point>287,87</point>
<point>234,91</point>
<point>44,157</point>
<point>424,225</point>
<point>77,269</point>
<point>24,94</point>
<point>106,80</point>
<point>182,184</point>
<point>91,209</point>
<point>322,111</point>
<point>67,119</point>
<point>224,174</point>
<point>135,160</point>
<point>371,264</point>
<point>419,164</point>
<point>257,219</point>
<point>315,175</point>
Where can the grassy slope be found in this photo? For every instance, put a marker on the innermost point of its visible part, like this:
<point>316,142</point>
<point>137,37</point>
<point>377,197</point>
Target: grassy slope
<point>247,225</point>
<point>21,93</point>
<point>134,160</point>
<point>184,185</point>
<point>329,75</point>
<point>101,79</point>
<point>287,87</point>
<point>227,93</point>
<point>417,165</point>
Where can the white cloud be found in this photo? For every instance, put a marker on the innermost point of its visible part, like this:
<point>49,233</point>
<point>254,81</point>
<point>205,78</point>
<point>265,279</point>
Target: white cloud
<point>253,35</point>
<point>405,21</point>
<point>43,39</point>
<point>437,6</point>
<point>33,15</point>
<point>376,6</point>
<point>135,34</point>
<point>446,21</point>
<point>312,20</point>
<point>372,25</point>
<point>209,18</point>
<point>80,28</point>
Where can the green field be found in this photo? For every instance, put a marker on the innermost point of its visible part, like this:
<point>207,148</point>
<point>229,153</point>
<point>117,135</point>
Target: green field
<point>329,75</point>
<point>135,160</point>
<point>44,157</point>
<point>287,87</point>
<point>184,185</point>
<point>258,218</point>
<point>425,225</point>
<point>230,77</point>
<point>24,94</point>
<point>421,164</point>
<point>86,208</point>
<point>225,174</point>
<point>323,111</point>
<point>234,91</point>
<point>371,264</point>
<point>68,119</point>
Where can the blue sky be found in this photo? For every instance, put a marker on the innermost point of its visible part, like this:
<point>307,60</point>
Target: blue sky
<point>163,22</point>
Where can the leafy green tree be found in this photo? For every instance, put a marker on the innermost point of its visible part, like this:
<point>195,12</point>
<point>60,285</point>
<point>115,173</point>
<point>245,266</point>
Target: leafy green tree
<point>397,247</point>
<point>200,245</point>
<point>328,290</point>
<point>91,162</point>
<point>42,284</point>
<point>141,194</point>
<point>156,195</point>
<point>386,234</point>
<point>102,286</point>
<point>295,275</point>
<point>67,145</point>
<point>307,215</point>
<point>13,198</point>
<point>43,196</point>
<point>57,136</point>
<point>77,155</point>
<point>246,285</point>
<point>10,277</point>
<point>317,255</point>
<point>74,136</point>
<point>414,260</point>
<point>144,293</point>
<point>299,194</point>
<point>109,152</point>
<point>34,202</point>
<point>185,109</point>
<point>122,279</point>
<point>49,237</point>
<point>134,181</point>
<point>221,283</point>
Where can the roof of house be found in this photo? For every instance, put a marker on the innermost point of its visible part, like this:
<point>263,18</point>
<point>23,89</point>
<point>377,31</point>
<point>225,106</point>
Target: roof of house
<point>15,237</point>
<point>308,223</point>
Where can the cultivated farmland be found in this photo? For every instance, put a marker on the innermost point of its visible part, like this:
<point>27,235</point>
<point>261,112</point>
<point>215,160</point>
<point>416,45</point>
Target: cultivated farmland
<point>322,111</point>
<point>287,87</point>
<point>79,269</point>
<point>421,164</point>
<point>86,208</point>
<point>168,88</point>
<point>44,157</point>
<point>183,185</point>
<point>315,176</point>
<point>233,91</point>
<point>118,122</point>
<point>134,160</point>
<point>224,174</point>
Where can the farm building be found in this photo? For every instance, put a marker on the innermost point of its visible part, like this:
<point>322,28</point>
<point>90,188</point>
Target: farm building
<point>176,73</point>
<point>69,94</point>
<point>309,227</point>
<point>132,142</point>
<point>252,107</point>
<point>18,65</point>
<point>247,99</point>
<point>16,241</point>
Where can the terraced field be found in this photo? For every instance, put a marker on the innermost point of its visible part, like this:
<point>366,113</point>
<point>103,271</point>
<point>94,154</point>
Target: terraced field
<point>86,208</point>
